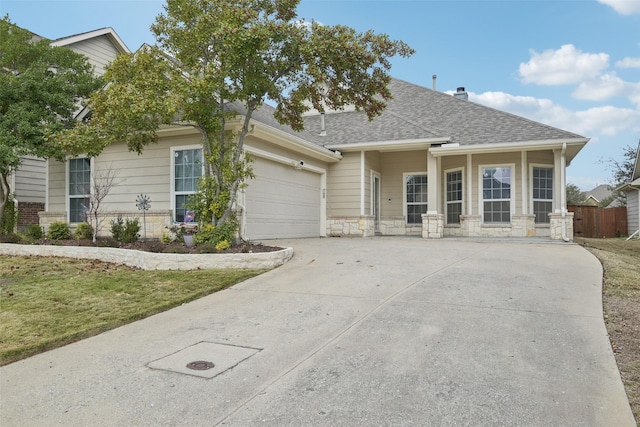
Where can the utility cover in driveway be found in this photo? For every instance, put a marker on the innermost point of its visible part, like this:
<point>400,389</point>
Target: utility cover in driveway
<point>222,356</point>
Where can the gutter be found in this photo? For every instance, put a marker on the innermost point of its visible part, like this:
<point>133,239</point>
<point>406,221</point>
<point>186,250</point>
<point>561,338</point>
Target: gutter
<point>549,144</point>
<point>392,145</point>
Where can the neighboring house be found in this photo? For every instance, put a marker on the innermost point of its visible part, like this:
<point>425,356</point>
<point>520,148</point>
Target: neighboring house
<point>632,189</point>
<point>28,183</point>
<point>597,195</point>
<point>431,165</point>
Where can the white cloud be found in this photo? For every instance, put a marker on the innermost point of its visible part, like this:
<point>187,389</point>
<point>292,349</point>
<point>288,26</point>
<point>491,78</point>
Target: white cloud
<point>623,7</point>
<point>606,120</point>
<point>604,87</point>
<point>566,65</point>
<point>629,62</point>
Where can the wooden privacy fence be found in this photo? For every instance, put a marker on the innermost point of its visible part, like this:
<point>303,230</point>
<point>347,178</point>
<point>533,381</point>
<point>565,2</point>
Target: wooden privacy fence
<point>594,221</point>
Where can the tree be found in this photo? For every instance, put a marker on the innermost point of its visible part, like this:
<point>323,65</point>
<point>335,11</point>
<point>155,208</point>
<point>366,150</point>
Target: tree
<point>622,172</point>
<point>574,195</point>
<point>218,61</point>
<point>41,87</point>
<point>101,184</point>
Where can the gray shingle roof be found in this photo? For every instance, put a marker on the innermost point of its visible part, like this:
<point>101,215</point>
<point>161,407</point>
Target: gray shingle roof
<point>418,112</point>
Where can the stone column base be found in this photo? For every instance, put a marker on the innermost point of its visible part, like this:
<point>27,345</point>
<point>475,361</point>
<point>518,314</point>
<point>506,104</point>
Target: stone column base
<point>432,226</point>
<point>363,226</point>
<point>556,224</point>
<point>523,225</point>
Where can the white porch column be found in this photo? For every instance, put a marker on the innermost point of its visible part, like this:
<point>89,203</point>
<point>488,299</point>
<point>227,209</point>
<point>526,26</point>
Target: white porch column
<point>362,183</point>
<point>524,174</point>
<point>432,183</point>
<point>469,185</point>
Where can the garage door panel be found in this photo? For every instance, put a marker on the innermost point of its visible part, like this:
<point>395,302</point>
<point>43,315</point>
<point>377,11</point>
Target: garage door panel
<point>282,202</point>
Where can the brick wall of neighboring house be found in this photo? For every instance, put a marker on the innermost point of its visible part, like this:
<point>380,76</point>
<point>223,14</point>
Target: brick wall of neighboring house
<point>28,213</point>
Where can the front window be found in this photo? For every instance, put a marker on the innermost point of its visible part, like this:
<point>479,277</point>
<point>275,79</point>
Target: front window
<point>542,194</point>
<point>79,189</point>
<point>454,197</point>
<point>416,197</point>
<point>187,173</point>
<point>496,194</point>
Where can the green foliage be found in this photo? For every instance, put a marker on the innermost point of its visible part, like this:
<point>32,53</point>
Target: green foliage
<point>84,231</point>
<point>40,88</point>
<point>10,217</point>
<point>125,231</point>
<point>59,231</point>
<point>219,61</point>
<point>574,195</point>
<point>209,233</point>
<point>34,232</point>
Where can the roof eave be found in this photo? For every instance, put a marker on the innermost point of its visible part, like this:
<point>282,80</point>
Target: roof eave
<point>109,32</point>
<point>398,145</point>
<point>551,144</point>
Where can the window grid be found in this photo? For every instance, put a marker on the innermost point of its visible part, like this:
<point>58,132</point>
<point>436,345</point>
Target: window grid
<point>79,189</point>
<point>416,193</point>
<point>496,194</point>
<point>454,197</point>
<point>542,194</point>
<point>187,172</point>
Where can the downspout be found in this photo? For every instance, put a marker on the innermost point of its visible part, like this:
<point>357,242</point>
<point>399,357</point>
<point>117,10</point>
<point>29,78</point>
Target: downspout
<point>563,192</point>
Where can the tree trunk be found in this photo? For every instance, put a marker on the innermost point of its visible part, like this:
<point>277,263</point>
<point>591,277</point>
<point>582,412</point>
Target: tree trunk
<point>4,195</point>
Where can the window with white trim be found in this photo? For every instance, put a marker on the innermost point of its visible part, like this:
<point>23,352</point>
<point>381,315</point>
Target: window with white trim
<point>79,189</point>
<point>415,197</point>
<point>542,193</point>
<point>496,194</point>
<point>454,196</point>
<point>187,170</point>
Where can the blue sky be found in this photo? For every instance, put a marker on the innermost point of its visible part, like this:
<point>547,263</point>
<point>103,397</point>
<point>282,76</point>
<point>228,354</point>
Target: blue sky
<point>573,64</point>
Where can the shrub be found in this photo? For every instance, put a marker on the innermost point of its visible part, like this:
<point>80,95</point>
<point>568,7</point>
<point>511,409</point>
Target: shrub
<point>59,231</point>
<point>125,231</point>
<point>34,232</point>
<point>221,246</point>
<point>84,231</point>
<point>215,235</point>
<point>9,218</point>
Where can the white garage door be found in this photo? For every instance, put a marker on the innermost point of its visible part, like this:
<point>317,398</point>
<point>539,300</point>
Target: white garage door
<point>282,202</point>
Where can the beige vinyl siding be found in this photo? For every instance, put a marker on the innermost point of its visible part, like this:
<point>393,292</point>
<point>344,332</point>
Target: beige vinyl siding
<point>540,157</point>
<point>283,152</point>
<point>99,50</point>
<point>343,186</point>
<point>394,165</point>
<point>148,174</point>
<point>30,180</point>
<point>57,183</point>
<point>633,210</point>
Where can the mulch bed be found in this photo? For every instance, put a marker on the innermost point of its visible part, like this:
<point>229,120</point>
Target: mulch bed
<point>160,247</point>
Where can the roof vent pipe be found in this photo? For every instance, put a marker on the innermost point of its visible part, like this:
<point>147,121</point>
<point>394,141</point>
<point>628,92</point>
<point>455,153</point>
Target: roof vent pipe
<point>323,129</point>
<point>461,93</point>
<point>434,77</point>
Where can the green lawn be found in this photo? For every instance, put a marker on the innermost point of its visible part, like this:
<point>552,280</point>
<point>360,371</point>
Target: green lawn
<point>50,302</point>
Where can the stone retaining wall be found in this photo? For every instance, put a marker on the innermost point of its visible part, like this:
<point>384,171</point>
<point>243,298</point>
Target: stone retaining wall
<point>155,261</point>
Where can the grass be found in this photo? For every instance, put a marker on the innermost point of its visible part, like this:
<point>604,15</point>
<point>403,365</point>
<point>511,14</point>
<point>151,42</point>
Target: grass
<point>50,302</point>
<point>621,302</point>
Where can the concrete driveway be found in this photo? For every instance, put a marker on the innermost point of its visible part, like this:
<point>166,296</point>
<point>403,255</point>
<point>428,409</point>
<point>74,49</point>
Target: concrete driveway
<point>380,331</point>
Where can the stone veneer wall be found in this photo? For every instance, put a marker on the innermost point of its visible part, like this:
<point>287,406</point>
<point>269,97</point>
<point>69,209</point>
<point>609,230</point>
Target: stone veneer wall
<point>432,226</point>
<point>363,226</point>
<point>472,226</point>
<point>555,226</point>
<point>397,226</point>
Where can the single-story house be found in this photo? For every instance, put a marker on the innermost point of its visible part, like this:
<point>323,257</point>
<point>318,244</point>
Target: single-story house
<point>632,188</point>
<point>432,165</point>
<point>28,183</point>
